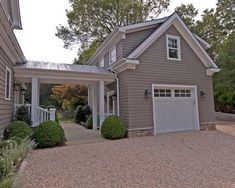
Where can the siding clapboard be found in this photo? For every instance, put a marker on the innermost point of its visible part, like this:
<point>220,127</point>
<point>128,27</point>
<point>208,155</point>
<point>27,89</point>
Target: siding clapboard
<point>155,68</point>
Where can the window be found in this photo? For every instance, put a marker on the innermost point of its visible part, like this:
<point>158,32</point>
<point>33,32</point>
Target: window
<point>112,56</point>
<point>173,47</point>
<point>8,84</point>
<point>101,63</point>
<point>182,93</point>
<point>162,93</point>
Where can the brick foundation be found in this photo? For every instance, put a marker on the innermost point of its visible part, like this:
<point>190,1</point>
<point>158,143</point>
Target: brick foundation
<point>140,132</point>
<point>208,126</point>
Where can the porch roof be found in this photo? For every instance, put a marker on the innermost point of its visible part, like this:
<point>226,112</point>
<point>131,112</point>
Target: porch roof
<point>62,73</point>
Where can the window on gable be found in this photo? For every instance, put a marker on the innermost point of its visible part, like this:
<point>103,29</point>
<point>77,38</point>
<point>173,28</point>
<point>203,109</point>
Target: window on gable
<point>173,47</point>
<point>8,84</point>
<point>112,55</point>
<point>101,62</point>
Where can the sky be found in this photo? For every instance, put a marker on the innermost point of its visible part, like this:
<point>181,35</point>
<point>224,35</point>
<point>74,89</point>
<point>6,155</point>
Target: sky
<point>40,18</point>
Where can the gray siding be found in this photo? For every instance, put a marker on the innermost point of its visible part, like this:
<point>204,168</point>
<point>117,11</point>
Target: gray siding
<point>133,40</point>
<point>155,68</point>
<point>6,106</point>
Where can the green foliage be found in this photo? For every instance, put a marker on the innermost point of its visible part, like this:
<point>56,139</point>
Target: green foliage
<point>89,122</point>
<point>22,114</point>
<point>17,129</point>
<point>113,128</point>
<point>11,155</point>
<point>187,13</point>
<point>81,113</point>
<point>49,134</point>
<point>91,21</point>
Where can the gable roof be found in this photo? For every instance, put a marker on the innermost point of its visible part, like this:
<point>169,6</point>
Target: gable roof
<point>192,40</point>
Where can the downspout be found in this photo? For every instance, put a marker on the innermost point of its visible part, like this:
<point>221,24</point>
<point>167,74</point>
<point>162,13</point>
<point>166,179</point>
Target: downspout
<point>118,99</point>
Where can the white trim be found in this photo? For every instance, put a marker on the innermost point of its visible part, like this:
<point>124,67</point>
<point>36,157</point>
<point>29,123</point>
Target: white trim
<point>178,49</point>
<point>211,71</point>
<point>101,62</point>
<point>207,45</point>
<point>176,87</point>
<point>109,94</point>
<point>183,29</point>
<point>9,97</point>
<point>124,64</point>
<point>110,55</point>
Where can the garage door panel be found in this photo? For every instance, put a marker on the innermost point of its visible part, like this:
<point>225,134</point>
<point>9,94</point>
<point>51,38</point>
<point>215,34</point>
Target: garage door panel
<point>175,113</point>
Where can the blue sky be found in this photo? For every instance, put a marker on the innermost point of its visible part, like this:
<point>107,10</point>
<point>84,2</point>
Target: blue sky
<point>41,17</point>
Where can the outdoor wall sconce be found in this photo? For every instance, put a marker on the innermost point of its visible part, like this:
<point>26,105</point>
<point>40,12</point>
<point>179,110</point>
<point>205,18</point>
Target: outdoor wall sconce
<point>202,94</point>
<point>146,92</point>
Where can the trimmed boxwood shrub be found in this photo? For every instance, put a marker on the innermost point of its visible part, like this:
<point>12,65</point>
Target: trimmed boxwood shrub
<point>89,122</point>
<point>18,129</point>
<point>49,134</point>
<point>113,128</point>
<point>22,114</point>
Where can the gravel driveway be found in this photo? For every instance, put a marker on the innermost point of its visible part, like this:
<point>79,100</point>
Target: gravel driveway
<point>189,159</point>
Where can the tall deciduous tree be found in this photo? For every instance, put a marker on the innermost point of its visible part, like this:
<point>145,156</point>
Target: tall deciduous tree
<point>91,21</point>
<point>188,13</point>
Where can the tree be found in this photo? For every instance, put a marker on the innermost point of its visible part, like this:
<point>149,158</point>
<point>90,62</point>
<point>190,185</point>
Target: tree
<point>188,13</point>
<point>70,95</point>
<point>91,21</point>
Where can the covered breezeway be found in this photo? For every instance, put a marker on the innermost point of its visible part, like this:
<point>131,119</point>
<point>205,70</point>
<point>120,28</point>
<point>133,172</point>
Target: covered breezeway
<point>36,73</point>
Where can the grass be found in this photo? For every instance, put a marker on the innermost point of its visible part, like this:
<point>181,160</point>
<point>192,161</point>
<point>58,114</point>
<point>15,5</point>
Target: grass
<point>60,117</point>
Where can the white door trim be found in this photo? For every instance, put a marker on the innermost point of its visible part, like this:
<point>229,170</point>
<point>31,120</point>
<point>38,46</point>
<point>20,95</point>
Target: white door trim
<point>110,93</point>
<point>172,87</point>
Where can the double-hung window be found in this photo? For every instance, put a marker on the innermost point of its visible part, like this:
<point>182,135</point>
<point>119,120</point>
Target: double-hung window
<point>173,47</point>
<point>8,84</point>
<point>101,63</point>
<point>112,58</point>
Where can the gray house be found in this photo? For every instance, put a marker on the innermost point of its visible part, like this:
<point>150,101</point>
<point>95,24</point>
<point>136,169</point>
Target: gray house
<point>163,77</point>
<point>10,53</point>
<point>155,75</point>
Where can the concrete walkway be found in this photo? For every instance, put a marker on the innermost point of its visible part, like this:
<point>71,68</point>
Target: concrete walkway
<point>226,127</point>
<point>76,134</point>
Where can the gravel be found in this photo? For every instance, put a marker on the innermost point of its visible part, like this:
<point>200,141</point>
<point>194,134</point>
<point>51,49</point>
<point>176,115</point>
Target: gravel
<point>188,159</point>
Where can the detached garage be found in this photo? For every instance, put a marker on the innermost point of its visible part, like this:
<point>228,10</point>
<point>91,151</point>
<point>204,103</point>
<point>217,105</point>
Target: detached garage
<point>175,108</point>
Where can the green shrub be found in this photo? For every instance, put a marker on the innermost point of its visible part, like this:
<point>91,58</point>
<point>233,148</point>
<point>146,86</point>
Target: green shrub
<point>87,111</point>
<point>113,128</point>
<point>17,129</point>
<point>49,134</point>
<point>89,122</point>
<point>22,114</point>
<point>11,155</point>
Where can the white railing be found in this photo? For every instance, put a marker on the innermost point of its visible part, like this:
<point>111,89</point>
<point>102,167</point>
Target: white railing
<point>16,106</point>
<point>42,115</point>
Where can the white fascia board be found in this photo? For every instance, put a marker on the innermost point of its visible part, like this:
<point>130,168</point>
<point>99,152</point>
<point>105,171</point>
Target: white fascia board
<point>183,29</point>
<point>141,25</point>
<point>211,71</point>
<point>202,41</point>
<point>124,64</point>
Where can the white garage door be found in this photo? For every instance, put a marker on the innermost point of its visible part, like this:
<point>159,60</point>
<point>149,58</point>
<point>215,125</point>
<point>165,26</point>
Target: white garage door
<point>175,109</point>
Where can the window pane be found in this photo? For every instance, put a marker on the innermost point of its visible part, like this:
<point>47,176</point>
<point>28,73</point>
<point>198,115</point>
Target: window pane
<point>113,55</point>
<point>173,53</point>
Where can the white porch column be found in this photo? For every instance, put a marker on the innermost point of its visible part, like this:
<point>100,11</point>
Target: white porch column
<point>34,101</point>
<point>94,107</point>
<point>101,101</point>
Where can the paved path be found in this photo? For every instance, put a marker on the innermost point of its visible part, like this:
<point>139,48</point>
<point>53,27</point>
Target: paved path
<point>76,134</point>
<point>201,159</point>
<point>226,127</point>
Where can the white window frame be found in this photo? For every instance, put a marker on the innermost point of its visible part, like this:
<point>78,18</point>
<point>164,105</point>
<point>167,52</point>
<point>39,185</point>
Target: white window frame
<point>8,97</point>
<point>101,61</point>
<point>110,55</point>
<point>110,94</point>
<point>178,49</point>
